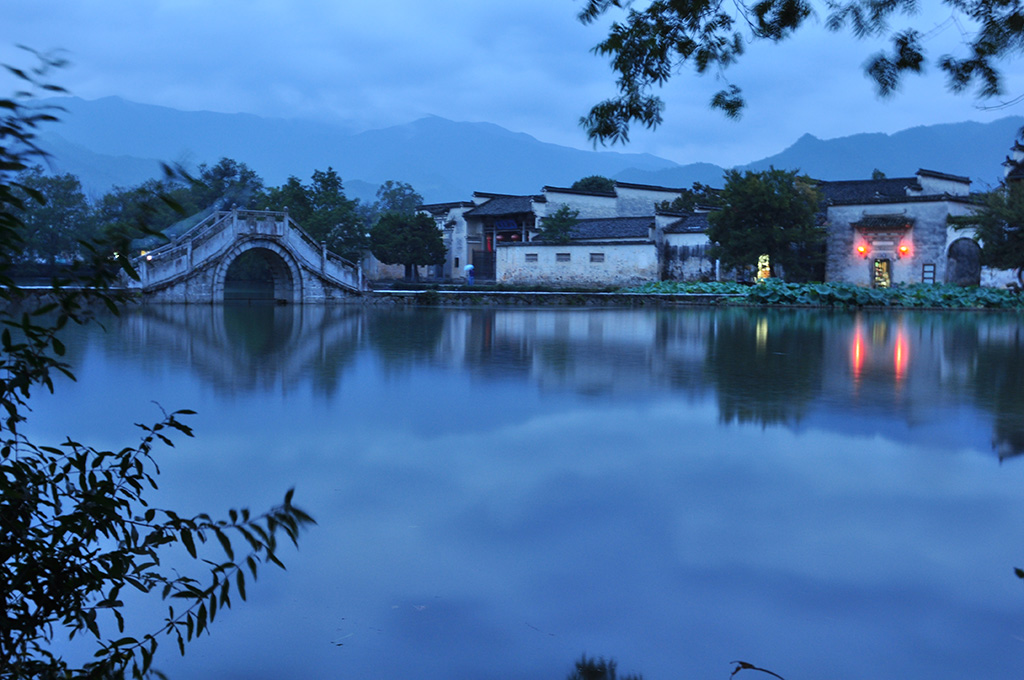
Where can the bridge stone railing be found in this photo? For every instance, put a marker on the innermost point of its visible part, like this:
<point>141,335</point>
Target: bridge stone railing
<point>213,238</point>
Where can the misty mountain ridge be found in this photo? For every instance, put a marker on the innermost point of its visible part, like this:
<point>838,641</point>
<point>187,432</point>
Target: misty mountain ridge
<point>113,142</point>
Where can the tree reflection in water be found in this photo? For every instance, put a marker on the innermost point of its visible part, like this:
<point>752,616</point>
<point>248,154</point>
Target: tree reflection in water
<point>766,365</point>
<point>782,480</point>
<point>769,367</point>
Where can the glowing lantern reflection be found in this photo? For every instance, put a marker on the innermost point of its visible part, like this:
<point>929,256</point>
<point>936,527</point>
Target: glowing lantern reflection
<point>901,355</point>
<point>857,357</point>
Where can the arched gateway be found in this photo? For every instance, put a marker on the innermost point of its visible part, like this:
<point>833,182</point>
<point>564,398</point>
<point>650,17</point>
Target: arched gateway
<point>963,262</point>
<point>194,267</point>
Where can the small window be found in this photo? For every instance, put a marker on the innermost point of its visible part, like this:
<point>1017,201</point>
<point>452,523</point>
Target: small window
<point>597,257</point>
<point>562,257</point>
<point>928,273</point>
<point>456,263</point>
<point>531,257</point>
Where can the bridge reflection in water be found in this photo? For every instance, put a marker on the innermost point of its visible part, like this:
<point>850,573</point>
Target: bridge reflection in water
<point>767,367</point>
<point>811,491</point>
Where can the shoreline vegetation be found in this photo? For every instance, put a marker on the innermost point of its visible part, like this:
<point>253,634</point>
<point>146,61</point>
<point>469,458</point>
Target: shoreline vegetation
<point>771,293</point>
<point>839,296</point>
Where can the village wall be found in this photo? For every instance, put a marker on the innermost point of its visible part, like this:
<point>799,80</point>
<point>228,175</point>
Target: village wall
<point>578,264</point>
<point>684,257</point>
<point>998,278</point>
<point>588,205</point>
<point>375,270</point>
<point>456,234</point>
<point>937,184</point>
<point>639,201</point>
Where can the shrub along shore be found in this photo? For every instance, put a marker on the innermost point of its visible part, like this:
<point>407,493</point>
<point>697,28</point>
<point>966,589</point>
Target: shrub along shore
<point>769,293</point>
<point>920,296</point>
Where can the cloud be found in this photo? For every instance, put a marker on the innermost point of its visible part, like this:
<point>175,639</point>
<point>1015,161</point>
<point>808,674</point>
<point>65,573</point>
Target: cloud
<point>526,66</point>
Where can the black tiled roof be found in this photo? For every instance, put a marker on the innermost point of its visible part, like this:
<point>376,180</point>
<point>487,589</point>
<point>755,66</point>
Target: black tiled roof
<point>1015,170</point>
<point>647,187</point>
<point>883,222</point>
<point>867,190</point>
<point>504,205</point>
<point>943,175</point>
<point>612,228</point>
<point>691,224</point>
<point>581,192</point>
<point>438,208</point>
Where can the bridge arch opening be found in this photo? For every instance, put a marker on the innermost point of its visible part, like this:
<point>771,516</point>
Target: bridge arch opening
<point>259,273</point>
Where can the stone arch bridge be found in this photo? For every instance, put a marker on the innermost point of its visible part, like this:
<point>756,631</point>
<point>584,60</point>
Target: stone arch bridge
<point>194,267</point>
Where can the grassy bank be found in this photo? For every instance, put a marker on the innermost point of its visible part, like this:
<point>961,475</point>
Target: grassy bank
<point>771,293</point>
<point>920,296</point>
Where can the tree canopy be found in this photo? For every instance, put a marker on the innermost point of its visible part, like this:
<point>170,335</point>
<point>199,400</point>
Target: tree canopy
<point>410,239</point>
<point>323,210</point>
<point>698,196</point>
<point>392,196</point>
<point>226,184</point>
<point>769,213</point>
<point>55,225</point>
<point>557,227</point>
<point>596,184</point>
<point>664,37</point>
<point>397,197</point>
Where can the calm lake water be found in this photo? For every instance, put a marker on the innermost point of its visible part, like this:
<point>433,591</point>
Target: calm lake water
<point>501,490</point>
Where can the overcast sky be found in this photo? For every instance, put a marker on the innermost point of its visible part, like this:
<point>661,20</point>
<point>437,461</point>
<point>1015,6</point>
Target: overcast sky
<point>524,64</point>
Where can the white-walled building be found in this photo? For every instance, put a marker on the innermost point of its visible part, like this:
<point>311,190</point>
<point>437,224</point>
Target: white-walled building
<point>887,231</point>
<point>619,239</point>
<point>451,220</point>
<point>878,232</point>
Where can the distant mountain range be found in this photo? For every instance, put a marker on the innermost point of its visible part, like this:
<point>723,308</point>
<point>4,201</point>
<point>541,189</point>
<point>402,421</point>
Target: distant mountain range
<point>110,141</point>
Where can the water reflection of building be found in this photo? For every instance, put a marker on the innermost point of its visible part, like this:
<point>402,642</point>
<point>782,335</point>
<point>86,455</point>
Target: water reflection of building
<point>880,372</point>
<point>894,363</point>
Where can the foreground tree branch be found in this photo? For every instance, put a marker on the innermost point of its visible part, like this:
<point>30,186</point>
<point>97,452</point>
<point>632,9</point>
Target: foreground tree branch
<point>76,529</point>
<point>649,45</point>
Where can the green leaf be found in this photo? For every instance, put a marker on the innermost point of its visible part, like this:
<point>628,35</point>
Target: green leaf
<point>186,538</point>
<point>225,543</point>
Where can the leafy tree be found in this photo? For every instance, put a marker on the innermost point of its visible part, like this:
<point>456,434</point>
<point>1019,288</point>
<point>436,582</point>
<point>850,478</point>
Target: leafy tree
<point>663,37</point>
<point>411,239</point>
<point>597,669</point>
<point>557,227</point>
<point>700,195</point>
<point>153,205</point>
<point>391,196</point>
<point>998,224</point>
<point>334,217</point>
<point>226,184</point>
<point>595,184</point>
<point>769,213</point>
<point>55,225</point>
<point>291,195</point>
<point>76,531</point>
<point>323,210</point>
<point>397,197</point>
